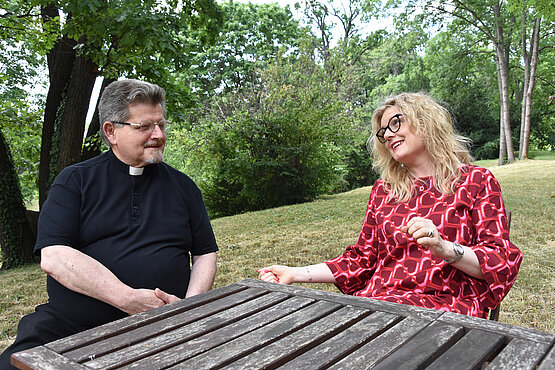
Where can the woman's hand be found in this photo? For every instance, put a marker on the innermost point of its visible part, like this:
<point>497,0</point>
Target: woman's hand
<point>319,273</point>
<point>276,274</point>
<point>425,233</point>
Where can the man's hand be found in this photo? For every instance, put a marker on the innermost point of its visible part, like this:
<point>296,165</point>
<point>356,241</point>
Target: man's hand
<point>83,274</point>
<point>167,298</point>
<point>141,300</point>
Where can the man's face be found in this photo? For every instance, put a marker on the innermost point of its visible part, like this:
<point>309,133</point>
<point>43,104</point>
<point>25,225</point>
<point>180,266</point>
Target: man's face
<point>133,146</point>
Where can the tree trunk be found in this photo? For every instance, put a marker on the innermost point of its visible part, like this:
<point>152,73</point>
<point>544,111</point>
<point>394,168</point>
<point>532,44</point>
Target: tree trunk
<point>60,63</point>
<point>527,102</point>
<point>16,236</point>
<point>502,54</point>
<point>93,144</point>
<point>526,62</point>
<point>72,124</point>
<point>502,144</point>
<point>71,82</point>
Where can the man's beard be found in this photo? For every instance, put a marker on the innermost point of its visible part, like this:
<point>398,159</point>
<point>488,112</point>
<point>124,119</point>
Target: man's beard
<point>158,155</point>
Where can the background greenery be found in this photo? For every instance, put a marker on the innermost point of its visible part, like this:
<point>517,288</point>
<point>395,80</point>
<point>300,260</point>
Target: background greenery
<point>269,109</point>
<point>313,232</point>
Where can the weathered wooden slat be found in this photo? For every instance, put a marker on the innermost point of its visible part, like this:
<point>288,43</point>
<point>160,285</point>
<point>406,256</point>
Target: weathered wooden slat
<point>498,327</point>
<point>300,341</point>
<point>548,362</point>
<point>159,327</point>
<point>424,347</point>
<point>181,334</point>
<point>519,354</point>
<point>342,344</point>
<point>470,352</point>
<point>254,340</point>
<point>217,337</point>
<point>254,324</point>
<point>383,345</point>
<point>343,299</point>
<point>42,358</point>
<point>120,326</point>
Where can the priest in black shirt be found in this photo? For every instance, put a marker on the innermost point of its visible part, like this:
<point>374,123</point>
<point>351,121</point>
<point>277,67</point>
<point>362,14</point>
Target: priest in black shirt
<point>118,233</point>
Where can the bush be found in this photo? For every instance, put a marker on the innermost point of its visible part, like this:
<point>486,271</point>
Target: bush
<point>358,168</point>
<point>489,150</point>
<point>276,143</point>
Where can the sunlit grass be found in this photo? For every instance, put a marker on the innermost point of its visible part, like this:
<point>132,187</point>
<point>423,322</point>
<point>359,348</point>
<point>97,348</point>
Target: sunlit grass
<point>313,232</point>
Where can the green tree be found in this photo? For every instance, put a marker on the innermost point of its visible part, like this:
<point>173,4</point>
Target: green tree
<point>84,39</point>
<point>251,36</point>
<point>464,78</point>
<point>492,26</point>
<point>16,236</point>
<point>275,143</point>
<point>19,129</point>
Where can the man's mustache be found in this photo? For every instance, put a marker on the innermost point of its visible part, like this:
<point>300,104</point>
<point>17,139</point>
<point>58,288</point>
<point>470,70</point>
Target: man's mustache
<point>153,143</point>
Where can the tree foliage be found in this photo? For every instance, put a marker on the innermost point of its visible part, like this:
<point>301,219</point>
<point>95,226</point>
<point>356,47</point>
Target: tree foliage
<point>276,143</point>
<point>268,111</point>
<point>251,36</point>
<point>84,39</point>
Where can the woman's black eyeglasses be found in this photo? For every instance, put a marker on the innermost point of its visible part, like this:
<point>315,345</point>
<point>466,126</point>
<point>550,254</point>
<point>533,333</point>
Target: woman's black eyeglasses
<point>393,125</point>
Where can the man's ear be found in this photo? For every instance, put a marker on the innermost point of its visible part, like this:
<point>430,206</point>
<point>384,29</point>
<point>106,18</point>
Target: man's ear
<point>110,132</point>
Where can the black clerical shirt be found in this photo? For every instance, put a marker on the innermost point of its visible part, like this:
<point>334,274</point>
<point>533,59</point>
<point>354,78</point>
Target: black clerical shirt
<point>141,227</point>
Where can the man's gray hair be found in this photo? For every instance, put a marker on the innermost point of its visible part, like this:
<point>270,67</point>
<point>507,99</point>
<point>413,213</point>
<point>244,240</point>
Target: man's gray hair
<point>117,96</point>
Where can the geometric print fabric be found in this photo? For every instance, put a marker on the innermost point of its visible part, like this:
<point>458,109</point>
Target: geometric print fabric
<point>388,265</point>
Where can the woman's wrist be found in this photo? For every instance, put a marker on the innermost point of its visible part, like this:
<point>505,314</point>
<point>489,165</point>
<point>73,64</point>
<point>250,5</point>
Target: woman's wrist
<point>455,252</point>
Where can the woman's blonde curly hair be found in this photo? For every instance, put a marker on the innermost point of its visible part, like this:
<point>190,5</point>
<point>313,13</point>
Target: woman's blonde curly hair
<point>446,149</point>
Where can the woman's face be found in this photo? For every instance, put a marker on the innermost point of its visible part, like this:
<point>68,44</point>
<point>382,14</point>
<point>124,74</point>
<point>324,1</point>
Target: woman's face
<point>404,145</point>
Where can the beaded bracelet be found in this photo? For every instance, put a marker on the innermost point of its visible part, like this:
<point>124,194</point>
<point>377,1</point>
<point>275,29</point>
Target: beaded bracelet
<point>308,273</point>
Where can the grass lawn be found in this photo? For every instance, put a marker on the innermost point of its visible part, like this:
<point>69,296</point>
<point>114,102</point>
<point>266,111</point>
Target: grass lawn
<point>313,232</point>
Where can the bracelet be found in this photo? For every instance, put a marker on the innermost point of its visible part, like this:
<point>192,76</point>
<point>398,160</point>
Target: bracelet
<point>459,253</point>
<point>308,273</point>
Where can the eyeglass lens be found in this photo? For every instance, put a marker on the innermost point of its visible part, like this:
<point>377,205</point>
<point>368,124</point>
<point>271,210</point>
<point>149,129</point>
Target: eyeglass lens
<point>393,125</point>
<point>149,126</point>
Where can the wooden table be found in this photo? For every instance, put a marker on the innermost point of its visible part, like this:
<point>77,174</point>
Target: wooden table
<point>253,324</point>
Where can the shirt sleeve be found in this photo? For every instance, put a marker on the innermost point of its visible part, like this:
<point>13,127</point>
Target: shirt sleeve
<point>59,217</point>
<point>499,258</point>
<point>354,268</point>
<point>204,241</point>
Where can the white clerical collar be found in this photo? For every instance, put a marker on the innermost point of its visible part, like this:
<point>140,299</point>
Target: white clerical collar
<point>136,171</point>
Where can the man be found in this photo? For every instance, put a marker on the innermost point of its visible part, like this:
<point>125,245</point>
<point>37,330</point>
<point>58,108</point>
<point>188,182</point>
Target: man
<point>117,231</point>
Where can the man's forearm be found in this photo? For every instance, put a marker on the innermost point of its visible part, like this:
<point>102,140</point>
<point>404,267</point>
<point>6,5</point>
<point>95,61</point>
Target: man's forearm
<point>202,274</point>
<point>83,274</point>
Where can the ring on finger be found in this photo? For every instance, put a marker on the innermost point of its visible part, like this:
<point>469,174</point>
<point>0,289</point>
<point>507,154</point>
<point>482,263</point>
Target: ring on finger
<point>430,233</point>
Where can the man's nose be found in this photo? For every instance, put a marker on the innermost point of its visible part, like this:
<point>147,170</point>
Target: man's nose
<point>157,132</point>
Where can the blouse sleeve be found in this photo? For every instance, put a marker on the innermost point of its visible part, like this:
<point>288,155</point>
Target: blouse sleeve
<point>499,258</point>
<point>357,264</point>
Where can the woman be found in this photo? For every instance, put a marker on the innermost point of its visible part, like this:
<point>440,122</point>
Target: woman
<point>435,233</point>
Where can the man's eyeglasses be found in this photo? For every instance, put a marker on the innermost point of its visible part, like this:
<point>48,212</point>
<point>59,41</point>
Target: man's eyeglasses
<point>147,127</point>
<point>393,125</point>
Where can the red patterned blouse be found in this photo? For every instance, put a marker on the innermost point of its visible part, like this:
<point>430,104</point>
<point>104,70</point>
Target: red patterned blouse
<point>386,264</point>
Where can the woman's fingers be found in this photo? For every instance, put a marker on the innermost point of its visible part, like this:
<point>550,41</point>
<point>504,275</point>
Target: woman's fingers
<point>266,274</point>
